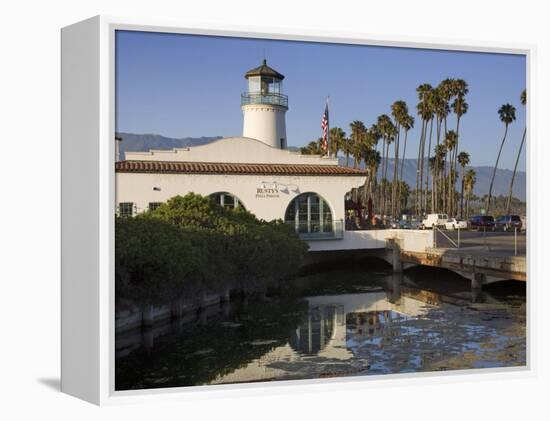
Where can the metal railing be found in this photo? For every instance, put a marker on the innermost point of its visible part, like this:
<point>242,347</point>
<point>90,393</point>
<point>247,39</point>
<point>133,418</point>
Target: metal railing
<point>314,231</point>
<point>438,230</point>
<point>515,241</point>
<point>486,244</point>
<point>248,98</point>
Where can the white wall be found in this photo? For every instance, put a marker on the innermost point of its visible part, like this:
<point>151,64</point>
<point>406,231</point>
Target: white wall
<point>353,240</point>
<point>265,123</point>
<point>409,240</point>
<point>232,149</point>
<point>138,188</point>
<point>412,240</point>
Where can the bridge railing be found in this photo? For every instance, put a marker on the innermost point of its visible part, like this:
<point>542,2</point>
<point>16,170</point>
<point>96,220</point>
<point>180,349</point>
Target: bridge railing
<point>315,231</point>
<point>437,230</point>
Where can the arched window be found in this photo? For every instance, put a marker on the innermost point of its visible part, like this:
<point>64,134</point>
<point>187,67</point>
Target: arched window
<point>226,200</point>
<point>309,213</point>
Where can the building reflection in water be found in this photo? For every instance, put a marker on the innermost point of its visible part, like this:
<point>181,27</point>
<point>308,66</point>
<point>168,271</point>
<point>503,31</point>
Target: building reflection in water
<point>324,342</point>
<point>386,328</point>
<point>316,329</point>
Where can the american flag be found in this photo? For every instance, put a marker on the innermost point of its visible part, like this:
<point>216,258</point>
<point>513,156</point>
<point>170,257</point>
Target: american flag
<point>325,127</point>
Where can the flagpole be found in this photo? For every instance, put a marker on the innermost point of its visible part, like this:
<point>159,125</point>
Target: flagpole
<point>328,126</point>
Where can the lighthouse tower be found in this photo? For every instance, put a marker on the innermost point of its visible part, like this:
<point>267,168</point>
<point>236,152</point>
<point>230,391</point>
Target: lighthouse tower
<point>264,106</point>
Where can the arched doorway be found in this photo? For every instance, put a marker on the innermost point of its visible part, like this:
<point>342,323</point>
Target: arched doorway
<point>227,200</point>
<point>310,214</point>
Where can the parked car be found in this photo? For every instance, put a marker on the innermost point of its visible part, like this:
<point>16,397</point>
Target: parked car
<point>456,223</point>
<point>415,224</point>
<point>482,222</point>
<point>405,225</point>
<point>508,222</point>
<point>434,220</point>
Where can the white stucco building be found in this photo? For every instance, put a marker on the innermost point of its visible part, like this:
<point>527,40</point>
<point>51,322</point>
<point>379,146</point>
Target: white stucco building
<point>254,170</point>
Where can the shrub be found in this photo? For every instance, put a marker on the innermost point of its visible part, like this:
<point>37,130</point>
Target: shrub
<point>191,243</point>
<point>154,260</point>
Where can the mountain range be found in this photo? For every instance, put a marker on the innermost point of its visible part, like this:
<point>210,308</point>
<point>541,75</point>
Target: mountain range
<point>483,178</point>
<point>144,142</point>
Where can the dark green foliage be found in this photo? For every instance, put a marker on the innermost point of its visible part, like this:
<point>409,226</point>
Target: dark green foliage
<point>153,259</point>
<point>190,244</point>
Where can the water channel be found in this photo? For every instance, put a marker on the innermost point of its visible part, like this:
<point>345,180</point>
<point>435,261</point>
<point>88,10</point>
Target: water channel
<point>347,322</point>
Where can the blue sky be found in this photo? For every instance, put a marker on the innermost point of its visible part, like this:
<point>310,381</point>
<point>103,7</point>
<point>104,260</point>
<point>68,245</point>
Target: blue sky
<point>187,85</point>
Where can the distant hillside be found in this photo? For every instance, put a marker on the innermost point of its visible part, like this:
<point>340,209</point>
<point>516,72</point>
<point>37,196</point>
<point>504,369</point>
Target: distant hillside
<point>144,142</point>
<point>483,178</point>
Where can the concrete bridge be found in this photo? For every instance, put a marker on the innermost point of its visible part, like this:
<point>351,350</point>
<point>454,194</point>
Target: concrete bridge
<point>407,248</point>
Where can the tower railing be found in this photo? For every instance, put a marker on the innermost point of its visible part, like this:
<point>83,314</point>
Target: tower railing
<point>248,98</point>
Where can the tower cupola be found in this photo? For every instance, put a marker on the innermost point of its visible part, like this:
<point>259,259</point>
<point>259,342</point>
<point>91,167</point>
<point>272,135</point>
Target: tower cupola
<point>264,106</point>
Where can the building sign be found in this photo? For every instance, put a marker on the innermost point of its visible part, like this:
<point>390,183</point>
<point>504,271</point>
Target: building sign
<point>267,192</point>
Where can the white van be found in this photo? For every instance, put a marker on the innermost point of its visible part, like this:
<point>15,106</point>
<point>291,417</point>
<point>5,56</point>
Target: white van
<point>434,219</point>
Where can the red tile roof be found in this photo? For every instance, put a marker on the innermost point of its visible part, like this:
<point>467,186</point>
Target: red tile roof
<point>233,168</point>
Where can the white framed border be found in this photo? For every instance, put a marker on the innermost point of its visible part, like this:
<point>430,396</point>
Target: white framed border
<point>95,383</point>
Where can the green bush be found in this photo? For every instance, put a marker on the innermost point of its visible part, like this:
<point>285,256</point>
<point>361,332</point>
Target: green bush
<point>154,260</point>
<point>191,244</point>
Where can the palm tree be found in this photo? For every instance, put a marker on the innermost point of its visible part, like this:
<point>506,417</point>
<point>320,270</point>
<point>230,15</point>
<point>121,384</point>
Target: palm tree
<point>337,136</point>
<point>523,99</point>
<point>432,164</point>
<point>469,182</point>
<point>386,130</point>
<point>357,137</point>
<point>346,148</point>
<point>440,152</point>
<point>372,162</point>
<point>446,90</point>
<point>460,107</point>
<point>398,110</point>
<point>389,139</point>
<point>425,113</point>
<point>463,159</point>
<point>408,124</point>
<point>383,123</point>
<point>507,114</point>
<point>312,148</point>
<point>431,107</point>
<point>404,193</point>
<point>450,144</point>
<point>441,107</point>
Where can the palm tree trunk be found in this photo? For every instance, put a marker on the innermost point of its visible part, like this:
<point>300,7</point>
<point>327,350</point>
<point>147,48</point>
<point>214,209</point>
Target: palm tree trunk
<point>434,187</point>
<point>386,175</point>
<point>394,204</point>
<point>444,183</point>
<point>435,204</point>
<point>380,192</point>
<point>401,170</point>
<point>418,171</point>
<point>403,156</point>
<point>462,194</point>
<point>508,203</point>
<point>427,169</point>
<point>455,158</point>
<point>421,172</point>
<point>495,170</point>
<point>468,204</point>
<point>449,180</point>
